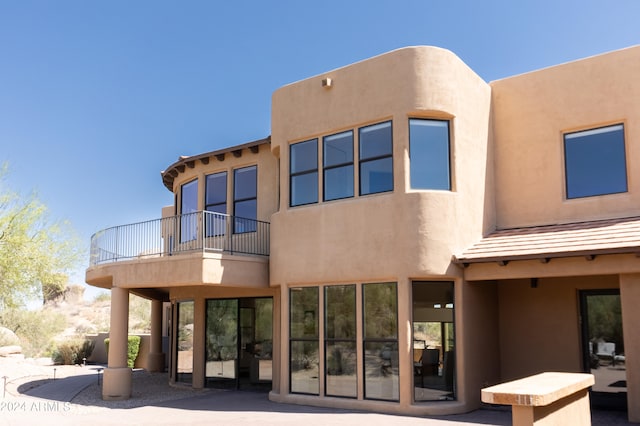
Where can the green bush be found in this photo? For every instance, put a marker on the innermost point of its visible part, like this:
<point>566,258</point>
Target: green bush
<point>133,347</point>
<point>73,352</point>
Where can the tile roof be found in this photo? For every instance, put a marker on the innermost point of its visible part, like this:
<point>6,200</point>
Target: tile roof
<point>610,236</point>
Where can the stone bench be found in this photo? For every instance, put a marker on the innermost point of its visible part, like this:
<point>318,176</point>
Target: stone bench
<point>545,399</point>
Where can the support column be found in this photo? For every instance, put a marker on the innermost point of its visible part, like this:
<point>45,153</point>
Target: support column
<point>629,296</point>
<point>155,359</point>
<point>116,384</point>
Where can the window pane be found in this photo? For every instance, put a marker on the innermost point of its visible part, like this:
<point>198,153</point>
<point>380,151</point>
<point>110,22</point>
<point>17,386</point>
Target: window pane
<point>380,311</point>
<point>304,367</point>
<point>304,189</point>
<point>429,154</point>
<point>188,210</point>
<point>381,375</point>
<point>245,217</point>
<point>221,336</point>
<point>184,342</point>
<point>189,197</point>
<point>338,149</point>
<point>304,312</point>
<point>304,156</point>
<point>376,176</point>
<point>245,183</point>
<point>375,141</point>
<point>341,378</point>
<point>340,312</point>
<point>595,162</point>
<point>338,183</point>
<point>216,189</point>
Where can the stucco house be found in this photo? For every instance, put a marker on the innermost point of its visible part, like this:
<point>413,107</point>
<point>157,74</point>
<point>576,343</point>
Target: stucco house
<point>407,235</point>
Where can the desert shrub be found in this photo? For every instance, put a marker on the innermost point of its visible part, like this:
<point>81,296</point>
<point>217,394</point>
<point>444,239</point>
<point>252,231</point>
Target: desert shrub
<point>35,329</point>
<point>73,351</point>
<point>133,347</point>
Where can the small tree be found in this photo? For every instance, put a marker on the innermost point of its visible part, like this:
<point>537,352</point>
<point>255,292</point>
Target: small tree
<point>33,250</point>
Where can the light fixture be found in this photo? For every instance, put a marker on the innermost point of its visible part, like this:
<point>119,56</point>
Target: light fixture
<point>327,82</point>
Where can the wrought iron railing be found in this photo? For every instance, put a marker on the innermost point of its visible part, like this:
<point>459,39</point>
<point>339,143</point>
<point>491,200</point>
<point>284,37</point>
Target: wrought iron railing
<point>198,231</point>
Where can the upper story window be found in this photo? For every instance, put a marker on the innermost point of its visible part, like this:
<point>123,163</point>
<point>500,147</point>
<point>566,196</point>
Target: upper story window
<point>216,201</point>
<point>595,162</point>
<point>338,166</point>
<point>245,199</point>
<point>376,158</point>
<point>188,209</point>
<point>303,157</point>
<point>216,193</point>
<point>429,154</point>
<point>375,162</point>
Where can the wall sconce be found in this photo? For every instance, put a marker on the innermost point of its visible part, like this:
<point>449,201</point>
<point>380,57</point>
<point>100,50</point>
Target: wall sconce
<point>327,82</point>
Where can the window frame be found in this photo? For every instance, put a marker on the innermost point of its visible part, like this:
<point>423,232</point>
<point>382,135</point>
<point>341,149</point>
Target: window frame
<point>243,224</point>
<point>449,166</point>
<point>188,220</point>
<point>298,173</point>
<point>214,224</point>
<point>570,179</point>
<point>338,165</point>
<point>375,158</point>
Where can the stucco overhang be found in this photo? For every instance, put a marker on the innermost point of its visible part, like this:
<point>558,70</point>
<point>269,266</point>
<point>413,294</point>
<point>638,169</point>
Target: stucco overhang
<point>581,239</point>
<point>189,162</point>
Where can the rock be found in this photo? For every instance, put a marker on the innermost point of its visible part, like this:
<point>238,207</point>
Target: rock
<point>8,337</point>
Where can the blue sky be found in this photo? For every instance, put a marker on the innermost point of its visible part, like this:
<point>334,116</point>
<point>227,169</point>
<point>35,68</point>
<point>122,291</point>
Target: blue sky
<point>97,97</point>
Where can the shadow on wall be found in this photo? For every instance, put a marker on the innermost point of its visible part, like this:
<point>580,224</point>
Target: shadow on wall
<point>99,354</point>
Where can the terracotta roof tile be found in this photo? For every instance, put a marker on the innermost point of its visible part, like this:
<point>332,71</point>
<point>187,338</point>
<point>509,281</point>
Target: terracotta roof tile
<point>572,239</point>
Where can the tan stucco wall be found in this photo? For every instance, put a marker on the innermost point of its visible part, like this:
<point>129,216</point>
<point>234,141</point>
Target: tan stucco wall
<point>404,232</point>
<point>539,327</point>
<point>531,112</point>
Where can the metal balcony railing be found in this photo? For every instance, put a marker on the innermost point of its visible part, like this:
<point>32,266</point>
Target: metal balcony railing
<point>187,233</point>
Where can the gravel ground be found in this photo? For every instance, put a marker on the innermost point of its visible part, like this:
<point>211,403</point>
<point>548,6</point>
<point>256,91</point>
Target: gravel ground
<point>148,389</point>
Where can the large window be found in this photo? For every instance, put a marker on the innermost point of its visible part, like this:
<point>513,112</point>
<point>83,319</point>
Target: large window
<point>245,196</point>
<point>338,166</point>
<point>595,162</point>
<point>216,201</point>
<point>188,211</point>
<point>380,312</point>
<point>429,154</point>
<point>340,341</point>
<point>304,340</point>
<point>376,158</point>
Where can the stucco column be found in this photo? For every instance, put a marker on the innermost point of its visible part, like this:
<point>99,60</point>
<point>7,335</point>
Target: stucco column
<point>405,342</point>
<point>629,296</point>
<point>155,359</point>
<point>199,308</point>
<point>116,384</point>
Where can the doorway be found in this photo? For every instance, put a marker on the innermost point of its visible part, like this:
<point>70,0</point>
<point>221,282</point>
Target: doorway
<point>433,341</point>
<point>603,347</point>
<point>239,343</point>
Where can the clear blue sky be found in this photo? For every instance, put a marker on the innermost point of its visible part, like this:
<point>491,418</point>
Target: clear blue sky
<point>97,97</point>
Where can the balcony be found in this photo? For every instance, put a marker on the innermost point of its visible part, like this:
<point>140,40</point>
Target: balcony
<point>202,231</point>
